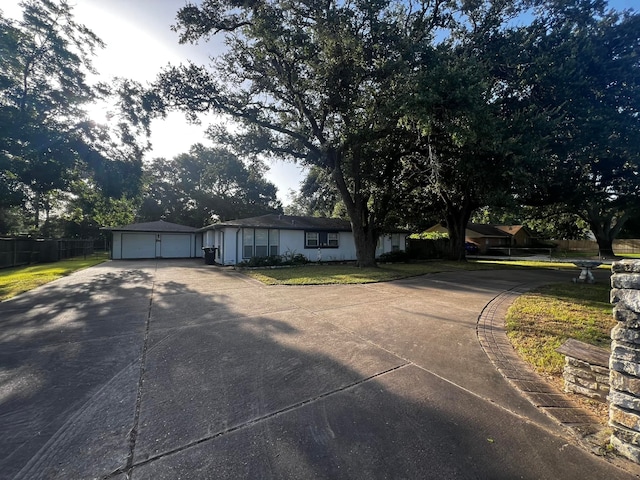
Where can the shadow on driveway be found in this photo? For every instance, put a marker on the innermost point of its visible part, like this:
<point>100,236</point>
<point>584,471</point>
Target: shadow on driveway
<point>177,370</point>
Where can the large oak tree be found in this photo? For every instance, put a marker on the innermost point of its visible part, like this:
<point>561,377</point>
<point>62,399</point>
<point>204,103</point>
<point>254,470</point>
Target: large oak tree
<point>583,63</point>
<point>318,82</point>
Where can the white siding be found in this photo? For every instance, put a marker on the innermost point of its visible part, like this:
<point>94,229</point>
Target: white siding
<point>385,243</point>
<point>290,242</point>
<point>232,246</point>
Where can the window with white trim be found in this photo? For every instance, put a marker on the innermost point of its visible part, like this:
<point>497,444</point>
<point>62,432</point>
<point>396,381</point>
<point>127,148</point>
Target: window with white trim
<point>262,242</point>
<point>321,240</point>
<point>247,243</point>
<point>311,239</point>
<point>274,242</point>
<point>395,242</point>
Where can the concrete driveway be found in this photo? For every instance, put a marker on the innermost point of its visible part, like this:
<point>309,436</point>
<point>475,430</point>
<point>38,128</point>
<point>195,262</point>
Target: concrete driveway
<point>175,369</point>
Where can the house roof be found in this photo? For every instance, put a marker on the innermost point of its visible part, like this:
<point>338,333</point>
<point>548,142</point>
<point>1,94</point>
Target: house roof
<point>477,230</point>
<point>286,222</point>
<point>157,226</point>
<point>487,230</point>
<point>512,229</point>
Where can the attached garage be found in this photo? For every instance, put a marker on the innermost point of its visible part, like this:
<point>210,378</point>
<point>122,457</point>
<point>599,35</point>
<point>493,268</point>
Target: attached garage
<point>155,240</point>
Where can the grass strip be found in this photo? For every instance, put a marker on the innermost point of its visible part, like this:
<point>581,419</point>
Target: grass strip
<point>14,281</point>
<point>350,274</point>
<point>540,321</point>
<point>313,274</point>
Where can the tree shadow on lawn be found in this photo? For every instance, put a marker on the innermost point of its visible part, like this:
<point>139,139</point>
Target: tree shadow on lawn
<point>274,395</point>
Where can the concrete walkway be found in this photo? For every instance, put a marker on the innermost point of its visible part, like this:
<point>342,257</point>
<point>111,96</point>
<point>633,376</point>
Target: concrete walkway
<point>174,369</point>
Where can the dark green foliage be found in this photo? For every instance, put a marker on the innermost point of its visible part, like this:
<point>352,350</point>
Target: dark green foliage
<point>424,248</point>
<point>418,110</point>
<point>48,144</point>
<point>275,261</point>
<point>473,136</point>
<point>324,84</point>
<point>394,257</point>
<point>583,65</point>
<point>205,185</point>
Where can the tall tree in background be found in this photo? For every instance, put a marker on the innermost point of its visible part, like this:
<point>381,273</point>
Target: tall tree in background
<point>205,185</point>
<point>47,142</point>
<point>473,137</point>
<point>317,196</point>
<point>584,63</point>
<point>321,83</point>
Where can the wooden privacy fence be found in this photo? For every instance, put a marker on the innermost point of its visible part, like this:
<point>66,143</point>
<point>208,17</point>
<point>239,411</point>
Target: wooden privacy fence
<point>25,251</point>
<point>620,246</point>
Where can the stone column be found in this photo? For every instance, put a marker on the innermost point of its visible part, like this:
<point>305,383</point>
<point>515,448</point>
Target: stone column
<point>624,364</point>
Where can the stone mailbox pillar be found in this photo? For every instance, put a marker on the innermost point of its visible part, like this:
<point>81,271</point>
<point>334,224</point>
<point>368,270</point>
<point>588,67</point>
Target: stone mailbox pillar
<point>624,364</point>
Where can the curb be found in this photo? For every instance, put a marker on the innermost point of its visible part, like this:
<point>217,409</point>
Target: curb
<point>543,395</point>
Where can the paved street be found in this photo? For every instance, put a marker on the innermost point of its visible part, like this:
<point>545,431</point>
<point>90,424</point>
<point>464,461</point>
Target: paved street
<point>175,369</point>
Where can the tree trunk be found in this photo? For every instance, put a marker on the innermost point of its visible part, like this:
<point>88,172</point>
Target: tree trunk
<point>457,220</point>
<point>602,231</point>
<point>456,230</point>
<point>605,227</point>
<point>365,233</point>
<point>605,247</point>
<point>366,242</point>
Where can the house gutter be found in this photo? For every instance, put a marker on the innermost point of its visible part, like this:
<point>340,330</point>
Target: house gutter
<point>236,259</point>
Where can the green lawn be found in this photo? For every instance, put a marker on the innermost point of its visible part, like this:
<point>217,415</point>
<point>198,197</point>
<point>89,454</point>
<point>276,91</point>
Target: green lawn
<point>540,321</point>
<point>348,274</point>
<point>14,281</point>
<point>313,274</point>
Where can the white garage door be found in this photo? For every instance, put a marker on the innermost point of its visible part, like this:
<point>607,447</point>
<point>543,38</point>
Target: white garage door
<point>175,245</point>
<point>138,245</point>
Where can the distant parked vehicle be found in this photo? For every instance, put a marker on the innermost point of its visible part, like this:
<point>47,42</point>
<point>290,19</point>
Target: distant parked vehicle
<point>471,248</point>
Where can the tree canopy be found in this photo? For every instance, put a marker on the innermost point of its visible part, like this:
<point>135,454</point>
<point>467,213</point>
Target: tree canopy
<point>48,144</point>
<point>410,108</point>
<point>320,83</point>
<point>206,185</point>
<point>584,63</point>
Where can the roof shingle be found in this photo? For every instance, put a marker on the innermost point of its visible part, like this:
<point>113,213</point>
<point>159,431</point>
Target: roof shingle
<point>157,226</point>
<point>287,222</point>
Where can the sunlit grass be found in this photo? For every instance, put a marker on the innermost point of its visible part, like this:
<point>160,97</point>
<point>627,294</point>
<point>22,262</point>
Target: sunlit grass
<point>14,281</point>
<point>538,264</point>
<point>349,274</point>
<point>539,322</point>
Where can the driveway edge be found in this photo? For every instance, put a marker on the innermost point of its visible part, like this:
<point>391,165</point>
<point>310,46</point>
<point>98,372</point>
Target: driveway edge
<point>493,339</point>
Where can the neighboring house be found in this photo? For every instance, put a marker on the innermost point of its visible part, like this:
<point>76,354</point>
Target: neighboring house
<point>155,240</point>
<point>318,239</point>
<point>493,236</point>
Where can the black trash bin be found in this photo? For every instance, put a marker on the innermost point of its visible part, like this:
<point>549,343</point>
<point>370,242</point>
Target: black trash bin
<point>209,255</point>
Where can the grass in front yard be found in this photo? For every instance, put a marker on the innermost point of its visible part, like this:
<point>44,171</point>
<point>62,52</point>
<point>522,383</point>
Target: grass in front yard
<point>14,281</point>
<point>540,321</point>
<point>313,274</point>
<point>347,274</point>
